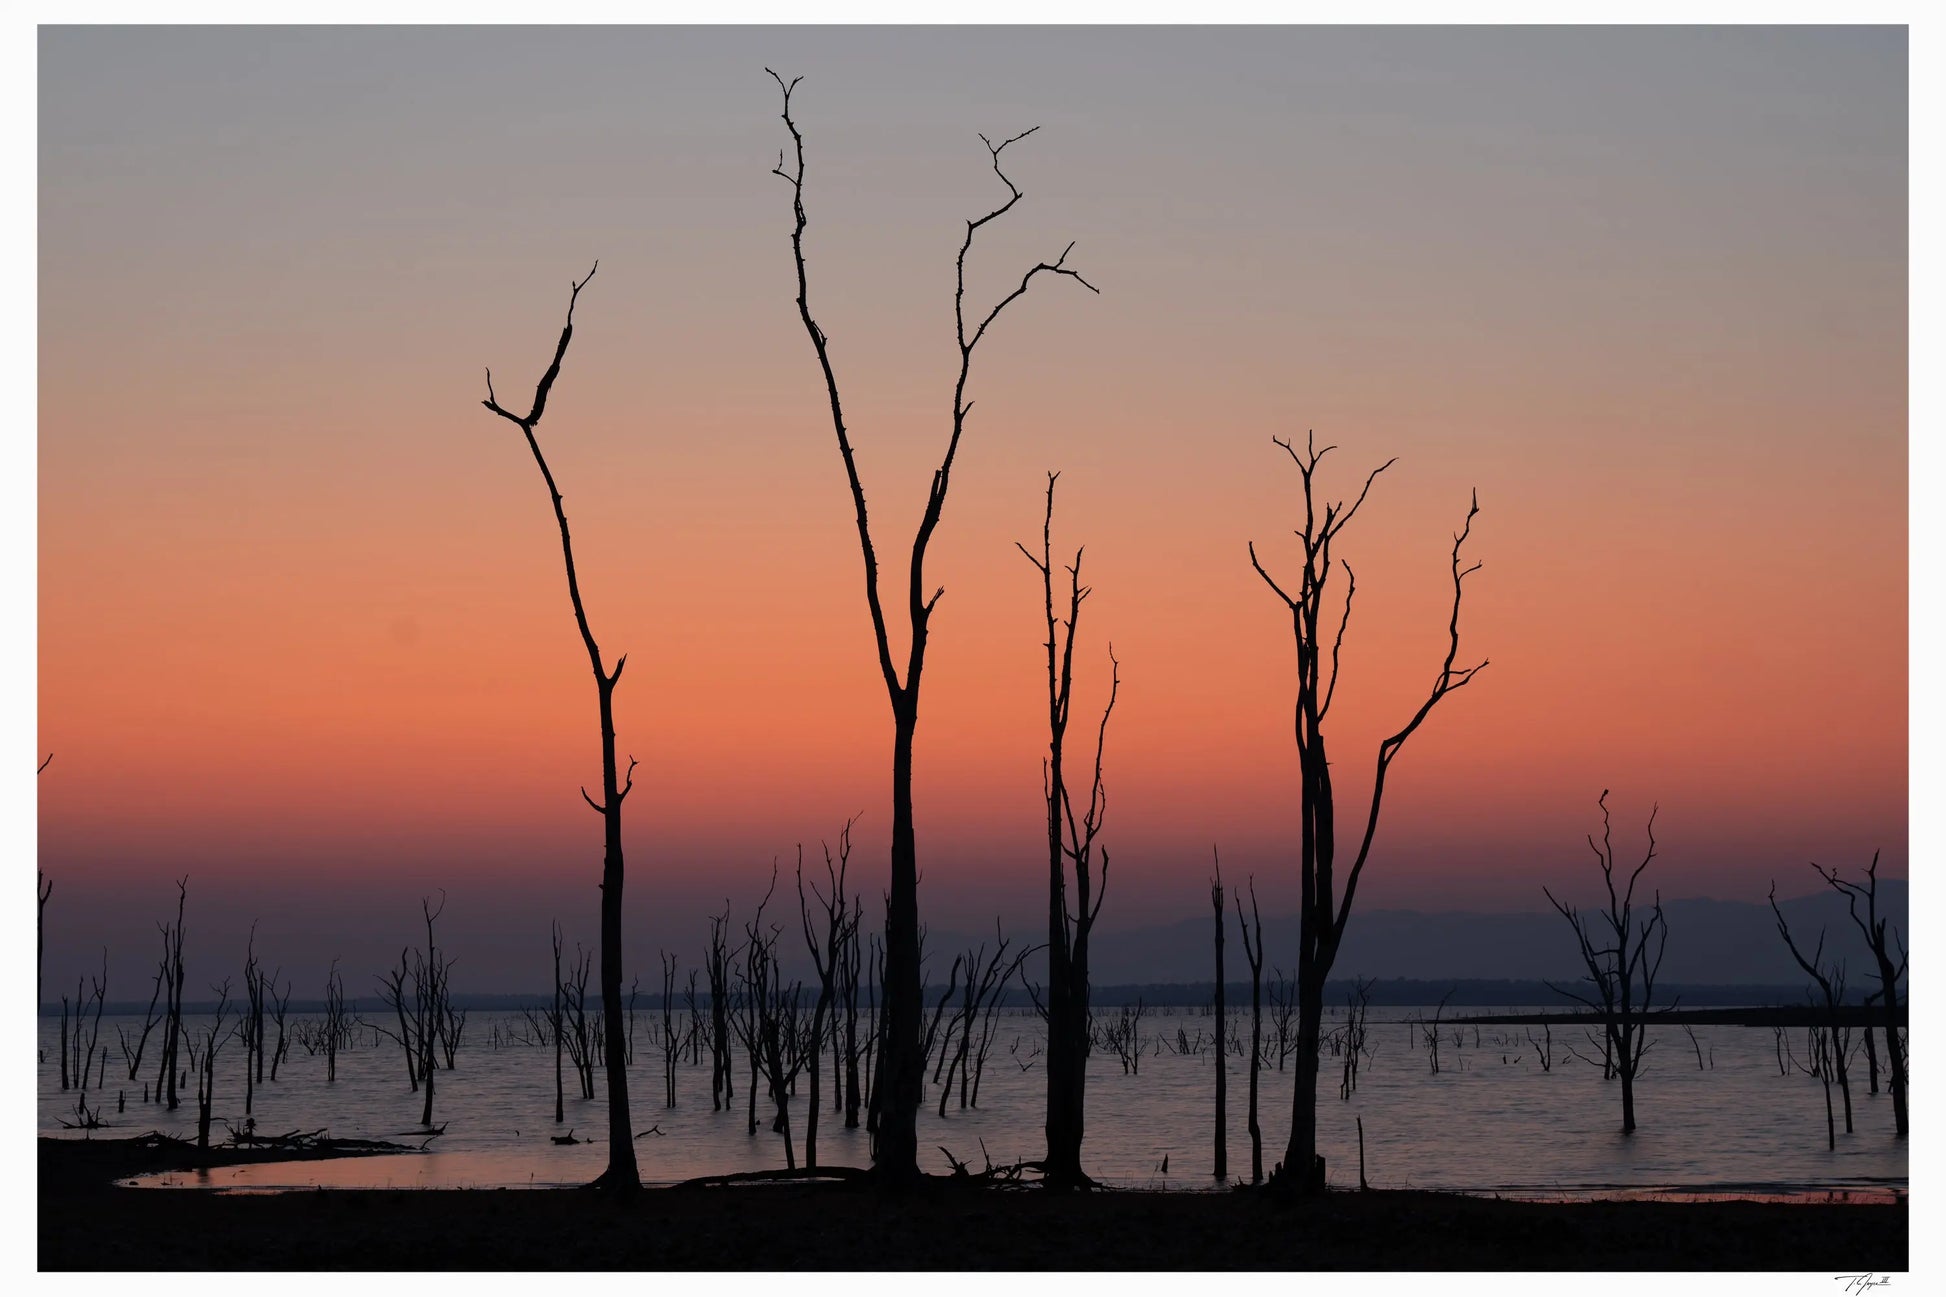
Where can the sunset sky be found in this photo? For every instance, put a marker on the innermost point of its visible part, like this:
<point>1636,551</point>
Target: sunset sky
<point>303,629</point>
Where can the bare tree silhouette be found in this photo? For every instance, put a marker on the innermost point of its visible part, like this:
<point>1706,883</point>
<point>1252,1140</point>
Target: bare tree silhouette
<point>150,1017</point>
<point>337,1023</point>
<point>170,1076</point>
<point>554,1020</point>
<point>902,1070</point>
<point>827,952</point>
<point>204,1063</point>
<point>722,1086</point>
<point>1874,929</point>
<point>621,1173</point>
<point>45,887</point>
<point>1830,979</point>
<point>1070,843</point>
<point>1253,954</point>
<point>1322,913</point>
<point>1222,1169</point>
<point>1622,957</point>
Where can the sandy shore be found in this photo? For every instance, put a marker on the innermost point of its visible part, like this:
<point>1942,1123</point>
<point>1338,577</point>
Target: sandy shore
<point>87,1223</point>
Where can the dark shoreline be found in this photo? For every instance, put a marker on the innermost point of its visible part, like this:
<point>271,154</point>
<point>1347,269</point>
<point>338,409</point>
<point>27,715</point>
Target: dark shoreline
<point>87,1223</point>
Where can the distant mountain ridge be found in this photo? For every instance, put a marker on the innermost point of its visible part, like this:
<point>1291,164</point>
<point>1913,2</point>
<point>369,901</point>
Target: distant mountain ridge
<point>1710,942</point>
<point>1714,947</point>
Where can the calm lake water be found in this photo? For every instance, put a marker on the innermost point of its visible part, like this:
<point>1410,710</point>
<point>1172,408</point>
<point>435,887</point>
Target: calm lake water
<point>1490,1121</point>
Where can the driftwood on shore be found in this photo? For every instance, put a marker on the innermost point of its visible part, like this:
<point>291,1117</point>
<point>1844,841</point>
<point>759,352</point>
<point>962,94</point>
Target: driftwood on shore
<point>318,1141</point>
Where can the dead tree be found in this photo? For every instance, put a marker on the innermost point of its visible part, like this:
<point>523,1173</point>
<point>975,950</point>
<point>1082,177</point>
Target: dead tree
<point>150,1017</point>
<point>1622,953</point>
<point>986,977</point>
<point>758,977</point>
<point>279,1008</point>
<point>1322,912</point>
<point>250,1026</point>
<point>671,1042</point>
<point>850,964</point>
<point>827,952</point>
<point>895,1152</point>
<point>1253,954</point>
<point>336,1021</point>
<point>1544,1047</point>
<point>1431,1033</point>
<point>1222,1067</point>
<point>78,1048</point>
<point>693,1040</point>
<point>1070,844</point>
<point>1830,981</point>
<point>932,1028</point>
<point>1874,929</point>
<point>172,1029</point>
<point>429,995</point>
<point>391,990</point>
<point>554,1020</point>
<point>1283,1005</point>
<point>1358,1006</point>
<point>621,1173</point>
<point>44,886</point>
<point>722,1088</point>
<point>205,1064</point>
<point>574,1003</point>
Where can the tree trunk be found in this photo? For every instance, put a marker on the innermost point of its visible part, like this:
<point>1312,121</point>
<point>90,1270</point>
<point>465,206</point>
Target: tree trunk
<point>621,1172</point>
<point>1256,1047</point>
<point>1303,1168</point>
<point>1894,1057</point>
<point>902,1073</point>
<point>1222,1071</point>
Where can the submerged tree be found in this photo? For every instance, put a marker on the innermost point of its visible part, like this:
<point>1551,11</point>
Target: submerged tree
<point>170,1076</point>
<point>1874,928</point>
<point>827,945</point>
<point>1830,980</point>
<point>902,1068</point>
<point>1622,952</point>
<point>1070,844</point>
<point>1322,911</point>
<point>1222,1169</point>
<point>1253,954</point>
<point>621,1173</point>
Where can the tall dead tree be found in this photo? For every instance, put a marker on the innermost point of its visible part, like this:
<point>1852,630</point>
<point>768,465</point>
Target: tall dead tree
<point>1830,980</point>
<point>722,1085</point>
<point>621,1173</point>
<point>1222,1170</point>
<point>44,886</point>
<point>1322,912</point>
<point>671,1042</point>
<point>896,1148</point>
<point>1253,954</point>
<point>1878,939</point>
<point>170,1076</point>
<point>554,1022</point>
<point>1070,844</point>
<point>204,1064</point>
<point>250,1027</point>
<point>1622,952</point>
